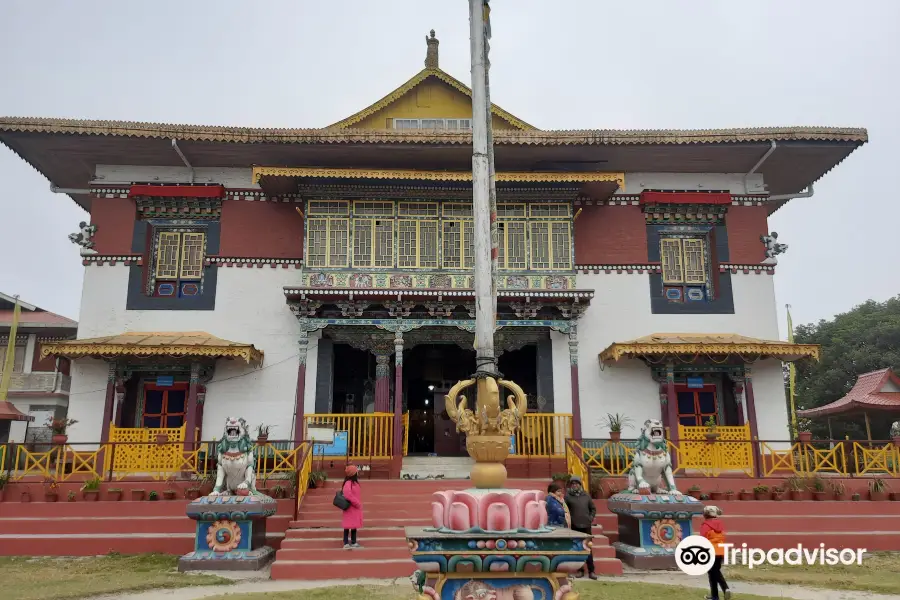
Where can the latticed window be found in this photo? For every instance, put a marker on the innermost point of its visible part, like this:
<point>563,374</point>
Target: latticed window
<point>178,263</point>
<point>417,239</point>
<point>18,358</point>
<point>328,234</point>
<point>683,260</point>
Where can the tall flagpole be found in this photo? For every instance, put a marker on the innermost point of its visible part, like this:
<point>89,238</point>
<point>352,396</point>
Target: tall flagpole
<point>792,377</point>
<point>9,363</point>
<point>482,171</point>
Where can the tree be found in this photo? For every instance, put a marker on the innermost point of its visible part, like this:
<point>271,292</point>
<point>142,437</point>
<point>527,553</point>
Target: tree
<point>864,339</point>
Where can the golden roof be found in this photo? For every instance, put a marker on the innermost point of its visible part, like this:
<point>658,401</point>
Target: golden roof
<point>587,137</point>
<point>186,344</point>
<point>660,345</point>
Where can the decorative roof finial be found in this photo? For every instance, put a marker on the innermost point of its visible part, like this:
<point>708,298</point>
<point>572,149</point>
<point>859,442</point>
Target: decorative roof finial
<point>431,56</point>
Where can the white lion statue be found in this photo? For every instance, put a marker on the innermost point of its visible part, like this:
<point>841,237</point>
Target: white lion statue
<point>651,465</point>
<point>237,461</point>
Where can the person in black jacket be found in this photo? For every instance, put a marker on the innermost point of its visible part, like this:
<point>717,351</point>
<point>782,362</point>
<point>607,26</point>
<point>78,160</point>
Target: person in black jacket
<point>583,511</point>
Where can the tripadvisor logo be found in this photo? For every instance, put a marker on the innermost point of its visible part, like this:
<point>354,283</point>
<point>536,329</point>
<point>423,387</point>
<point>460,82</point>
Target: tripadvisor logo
<point>695,555</point>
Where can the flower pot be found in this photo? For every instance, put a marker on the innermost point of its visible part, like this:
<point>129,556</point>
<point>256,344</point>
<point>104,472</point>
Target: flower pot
<point>278,494</point>
<point>796,494</point>
<point>711,437</point>
<point>778,496</point>
<point>115,496</point>
<point>71,498</point>
<point>716,495</point>
<point>615,436</point>
<point>1,494</point>
<point>746,496</point>
<point>206,489</point>
<point>805,437</point>
<point>877,496</point>
<point>90,495</point>
<point>137,495</point>
<point>894,496</point>
<point>730,496</point>
<point>262,440</point>
<point>51,496</point>
<point>26,497</point>
<point>162,438</point>
<point>762,495</point>
<point>840,497</point>
<point>169,494</point>
<point>695,493</point>
<point>817,495</point>
<point>59,439</point>
<point>192,493</point>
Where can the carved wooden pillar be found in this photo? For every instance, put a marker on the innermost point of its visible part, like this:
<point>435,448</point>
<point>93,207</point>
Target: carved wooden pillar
<point>190,428</point>
<point>751,417</point>
<point>672,409</point>
<point>120,403</point>
<point>576,400</point>
<point>398,404</point>
<point>663,399</point>
<point>382,383</point>
<point>738,388</point>
<point>300,394</point>
<point>201,403</point>
<point>108,403</point>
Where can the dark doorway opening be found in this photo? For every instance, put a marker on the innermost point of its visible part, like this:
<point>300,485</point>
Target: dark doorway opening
<point>353,389</point>
<point>520,366</point>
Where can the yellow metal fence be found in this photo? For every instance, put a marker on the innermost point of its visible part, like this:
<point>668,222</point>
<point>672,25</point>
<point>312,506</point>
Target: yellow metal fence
<point>543,435</point>
<point>368,435</point>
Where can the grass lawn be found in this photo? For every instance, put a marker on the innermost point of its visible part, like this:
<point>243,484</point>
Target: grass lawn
<point>879,573</point>
<point>600,590</point>
<point>25,578</point>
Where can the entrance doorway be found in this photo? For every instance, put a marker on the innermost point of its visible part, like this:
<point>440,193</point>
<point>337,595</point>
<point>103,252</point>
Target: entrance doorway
<point>697,405</point>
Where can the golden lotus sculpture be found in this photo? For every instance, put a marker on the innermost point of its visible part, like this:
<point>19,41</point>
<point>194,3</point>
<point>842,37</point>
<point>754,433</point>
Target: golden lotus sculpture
<point>488,426</point>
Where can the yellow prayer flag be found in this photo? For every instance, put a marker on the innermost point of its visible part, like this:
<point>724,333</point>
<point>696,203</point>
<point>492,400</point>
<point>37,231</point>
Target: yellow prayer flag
<point>10,361</point>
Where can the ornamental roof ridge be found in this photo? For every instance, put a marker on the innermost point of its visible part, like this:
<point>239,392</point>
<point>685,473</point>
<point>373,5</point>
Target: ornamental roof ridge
<point>252,135</point>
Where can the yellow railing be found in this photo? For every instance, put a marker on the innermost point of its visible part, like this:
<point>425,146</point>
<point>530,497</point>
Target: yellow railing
<point>138,450</point>
<point>367,435</point>
<point>272,459</point>
<point>543,435</point>
<point>303,472</point>
<point>2,458</point>
<point>575,464</point>
<point>406,433</point>
<point>729,452</point>
<point>876,459</point>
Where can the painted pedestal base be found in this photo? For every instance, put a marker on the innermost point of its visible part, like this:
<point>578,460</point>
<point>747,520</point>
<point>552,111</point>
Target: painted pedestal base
<point>231,534</point>
<point>651,526</point>
<point>494,543</point>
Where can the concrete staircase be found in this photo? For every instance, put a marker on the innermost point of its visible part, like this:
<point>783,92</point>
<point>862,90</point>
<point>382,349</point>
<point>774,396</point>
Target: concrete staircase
<point>313,548</point>
<point>436,467</point>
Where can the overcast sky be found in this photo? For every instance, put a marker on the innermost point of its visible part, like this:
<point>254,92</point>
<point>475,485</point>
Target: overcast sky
<point>567,64</point>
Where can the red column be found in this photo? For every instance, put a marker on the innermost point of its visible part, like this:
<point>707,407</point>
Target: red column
<point>397,448</point>
<point>300,394</point>
<point>190,424</point>
<point>672,410</point>
<point>108,403</point>
<point>739,399</point>
<point>120,403</point>
<point>751,416</point>
<point>382,383</point>
<point>576,400</point>
<point>664,403</point>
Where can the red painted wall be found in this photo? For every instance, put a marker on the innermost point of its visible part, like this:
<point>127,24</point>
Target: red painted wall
<point>610,234</point>
<point>745,224</point>
<point>47,364</point>
<point>114,219</point>
<point>261,230</point>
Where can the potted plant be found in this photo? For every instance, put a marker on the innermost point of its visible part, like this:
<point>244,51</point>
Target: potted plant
<point>278,491</point>
<point>317,477</point>
<point>838,491</point>
<point>818,488</point>
<point>192,493</point>
<point>612,488</point>
<point>716,494</point>
<point>704,496</point>
<point>90,490</point>
<point>877,489</point>
<point>746,495</point>
<point>137,495</point>
<point>51,490</point>
<point>804,437</point>
<point>712,433</point>
<point>895,433</point>
<point>894,496</point>
<point>729,495</point>
<point>796,487</point>
<point>616,423</point>
<point>162,438</point>
<point>59,427</point>
<point>115,494</point>
<point>694,491</point>
<point>777,493</point>
<point>71,496</point>
<point>262,434</point>
<point>153,496</point>
<point>761,492</point>
<point>169,494</point>
<point>562,479</point>
<point>855,497</point>
<point>596,485</point>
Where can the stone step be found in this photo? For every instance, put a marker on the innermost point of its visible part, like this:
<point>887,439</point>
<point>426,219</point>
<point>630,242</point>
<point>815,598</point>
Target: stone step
<point>116,525</point>
<point>95,544</point>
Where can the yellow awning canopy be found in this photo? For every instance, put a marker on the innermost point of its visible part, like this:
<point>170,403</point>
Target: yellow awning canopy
<point>182,344</point>
<point>662,345</point>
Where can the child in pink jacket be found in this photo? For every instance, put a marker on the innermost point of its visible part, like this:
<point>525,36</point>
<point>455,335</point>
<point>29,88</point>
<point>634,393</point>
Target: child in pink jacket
<point>352,519</point>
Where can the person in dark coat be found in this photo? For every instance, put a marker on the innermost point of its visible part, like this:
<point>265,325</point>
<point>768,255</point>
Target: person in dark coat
<point>582,511</point>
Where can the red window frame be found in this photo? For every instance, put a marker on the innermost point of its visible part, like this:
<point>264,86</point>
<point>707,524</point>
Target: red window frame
<point>164,413</point>
<point>701,416</point>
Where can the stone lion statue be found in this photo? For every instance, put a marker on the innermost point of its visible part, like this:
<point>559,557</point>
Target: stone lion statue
<point>895,429</point>
<point>651,465</point>
<point>237,462</point>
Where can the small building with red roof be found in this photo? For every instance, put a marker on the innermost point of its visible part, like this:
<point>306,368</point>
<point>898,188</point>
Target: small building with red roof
<point>39,388</point>
<point>875,393</point>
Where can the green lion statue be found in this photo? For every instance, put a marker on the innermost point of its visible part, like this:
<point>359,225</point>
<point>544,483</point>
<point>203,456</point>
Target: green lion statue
<point>651,465</point>
<point>237,461</point>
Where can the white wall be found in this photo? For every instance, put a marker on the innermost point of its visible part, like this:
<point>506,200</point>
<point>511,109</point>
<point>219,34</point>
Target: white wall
<point>771,402</point>
<point>562,373</point>
<point>126,174</point>
<point>620,311</point>
<point>635,183</point>
<point>250,308</point>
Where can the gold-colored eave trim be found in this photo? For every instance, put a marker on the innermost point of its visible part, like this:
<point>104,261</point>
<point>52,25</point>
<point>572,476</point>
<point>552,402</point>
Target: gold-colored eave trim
<point>410,174</point>
<point>247,353</point>
<point>617,351</point>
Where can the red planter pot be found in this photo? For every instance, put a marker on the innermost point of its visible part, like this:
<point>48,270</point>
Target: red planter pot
<point>59,439</point>
<point>716,495</point>
<point>796,494</point>
<point>877,496</point>
<point>819,495</point>
<point>805,436</point>
<point>51,497</point>
<point>115,496</point>
<point>91,495</point>
<point>137,495</point>
<point>746,495</point>
<point>615,436</point>
<point>169,494</point>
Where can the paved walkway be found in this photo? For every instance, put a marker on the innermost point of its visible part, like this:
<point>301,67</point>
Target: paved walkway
<point>259,582</point>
